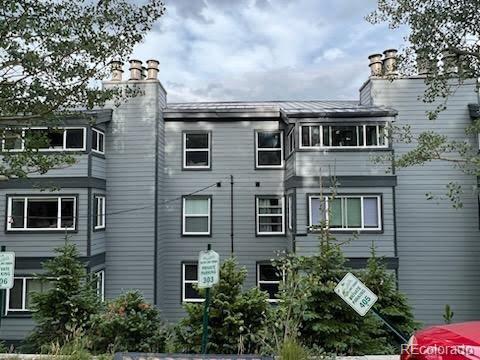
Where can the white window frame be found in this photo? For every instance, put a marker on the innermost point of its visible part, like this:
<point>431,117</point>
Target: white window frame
<point>259,282</point>
<point>208,149</point>
<point>100,278</point>
<point>99,132</point>
<point>258,150</point>
<point>209,215</point>
<point>184,281</point>
<point>25,212</point>
<point>362,197</point>
<point>290,211</point>
<point>100,209</point>
<point>24,296</point>
<point>291,141</point>
<point>258,215</point>
<point>322,146</point>
<point>64,147</point>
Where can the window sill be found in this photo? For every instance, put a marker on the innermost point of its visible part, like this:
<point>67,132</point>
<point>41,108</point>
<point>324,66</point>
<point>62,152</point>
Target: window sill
<point>33,231</point>
<point>379,149</point>
<point>18,315</point>
<point>196,169</point>
<point>349,232</point>
<point>99,229</point>
<point>97,154</point>
<point>196,235</point>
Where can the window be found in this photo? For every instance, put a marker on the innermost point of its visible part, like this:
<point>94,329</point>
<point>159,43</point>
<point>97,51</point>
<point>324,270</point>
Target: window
<point>100,284</point>
<point>196,150</point>
<point>350,136</point>
<point>290,212</point>
<point>270,216</point>
<point>291,141</point>
<point>98,141</point>
<point>45,139</point>
<point>269,149</point>
<point>99,222</point>
<point>352,212</point>
<point>19,297</point>
<point>196,215</point>
<point>189,278</point>
<point>268,279</point>
<point>41,213</point>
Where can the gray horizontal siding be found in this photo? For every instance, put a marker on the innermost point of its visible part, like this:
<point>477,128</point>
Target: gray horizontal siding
<point>15,328</point>
<point>438,246</point>
<point>98,167</point>
<point>80,168</point>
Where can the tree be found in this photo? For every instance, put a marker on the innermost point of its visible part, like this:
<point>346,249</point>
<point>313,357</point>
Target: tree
<point>237,320</point>
<point>52,55</point>
<point>443,39</point>
<point>63,311</point>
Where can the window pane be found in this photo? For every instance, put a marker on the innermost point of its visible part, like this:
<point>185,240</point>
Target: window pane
<point>315,135</point>
<point>13,139</point>
<point>269,140</point>
<point>354,213</point>
<point>316,211</point>
<point>15,301</point>
<point>382,132</point>
<point>67,212</point>
<point>196,158</point>
<point>190,292</point>
<point>360,135</point>
<point>268,273</point>
<point>101,142</point>
<point>36,286</point>
<point>269,157</point>
<point>370,212</point>
<point>270,206</point>
<point>196,206</point>
<point>44,139</point>
<point>344,136</point>
<point>271,289</point>
<point>270,224</point>
<point>335,213</point>
<point>196,224</point>
<point>94,140</point>
<point>197,141</point>
<point>326,136</point>
<point>74,138</point>
<point>305,136</point>
<point>17,216</point>
<point>42,213</point>
<point>190,272</point>
<point>371,135</point>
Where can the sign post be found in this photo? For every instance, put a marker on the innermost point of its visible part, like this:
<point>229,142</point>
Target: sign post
<point>7,269</point>
<point>208,275</point>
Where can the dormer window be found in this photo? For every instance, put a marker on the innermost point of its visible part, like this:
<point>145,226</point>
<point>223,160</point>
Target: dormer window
<point>98,141</point>
<point>342,136</point>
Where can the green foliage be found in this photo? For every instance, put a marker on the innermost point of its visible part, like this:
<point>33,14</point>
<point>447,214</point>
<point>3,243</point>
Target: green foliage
<point>128,324</point>
<point>292,350</point>
<point>448,314</point>
<point>238,318</point>
<point>62,313</point>
<point>53,54</point>
<point>76,349</point>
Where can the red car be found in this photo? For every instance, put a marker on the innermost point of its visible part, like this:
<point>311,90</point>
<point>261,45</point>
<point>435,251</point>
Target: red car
<point>445,342</point>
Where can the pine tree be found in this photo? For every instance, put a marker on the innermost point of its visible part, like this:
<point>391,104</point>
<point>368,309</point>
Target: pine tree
<point>63,312</point>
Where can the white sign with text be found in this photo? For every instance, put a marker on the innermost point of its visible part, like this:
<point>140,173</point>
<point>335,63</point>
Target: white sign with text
<point>208,269</point>
<point>356,294</point>
<point>7,269</point>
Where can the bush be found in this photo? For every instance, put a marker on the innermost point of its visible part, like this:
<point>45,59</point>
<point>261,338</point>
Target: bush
<point>293,350</point>
<point>63,311</point>
<point>237,320</point>
<point>128,324</point>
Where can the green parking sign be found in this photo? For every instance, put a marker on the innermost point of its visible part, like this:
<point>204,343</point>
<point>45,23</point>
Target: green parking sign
<point>356,294</point>
<point>208,269</point>
<point>7,269</point>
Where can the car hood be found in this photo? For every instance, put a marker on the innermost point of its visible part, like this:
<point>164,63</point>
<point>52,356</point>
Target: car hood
<point>467,333</point>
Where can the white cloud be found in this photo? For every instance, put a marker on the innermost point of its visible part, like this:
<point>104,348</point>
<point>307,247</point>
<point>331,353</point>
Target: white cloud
<point>260,49</point>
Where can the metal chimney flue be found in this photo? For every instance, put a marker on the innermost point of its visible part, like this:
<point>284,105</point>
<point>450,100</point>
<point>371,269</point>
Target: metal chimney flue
<point>152,69</point>
<point>375,65</point>
<point>135,69</point>
<point>390,62</point>
<point>117,71</point>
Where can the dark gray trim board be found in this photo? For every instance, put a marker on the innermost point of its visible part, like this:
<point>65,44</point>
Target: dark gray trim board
<point>361,262</point>
<point>55,182</point>
<point>35,263</point>
<point>341,181</point>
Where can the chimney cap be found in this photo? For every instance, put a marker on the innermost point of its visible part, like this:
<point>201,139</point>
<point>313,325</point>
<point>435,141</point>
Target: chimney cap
<point>374,55</point>
<point>153,60</point>
<point>390,50</point>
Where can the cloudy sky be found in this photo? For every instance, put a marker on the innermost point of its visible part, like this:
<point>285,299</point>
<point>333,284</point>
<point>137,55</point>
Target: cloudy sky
<point>265,49</point>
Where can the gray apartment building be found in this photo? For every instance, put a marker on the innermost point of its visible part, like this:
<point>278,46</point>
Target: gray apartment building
<point>155,182</point>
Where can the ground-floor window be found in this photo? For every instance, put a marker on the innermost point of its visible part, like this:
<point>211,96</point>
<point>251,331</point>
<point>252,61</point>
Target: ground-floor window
<point>19,297</point>
<point>268,279</point>
<point>189,279</point>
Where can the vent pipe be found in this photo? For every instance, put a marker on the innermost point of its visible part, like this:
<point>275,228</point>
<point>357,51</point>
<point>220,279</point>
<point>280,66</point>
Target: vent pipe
<point>152,69</point>
<point>390,62</point>
<point>116,68</point>
<point>135,69</point>
<point>375,64</point>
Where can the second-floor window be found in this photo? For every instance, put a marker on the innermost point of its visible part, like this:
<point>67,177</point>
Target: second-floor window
<point>347,212</point>
<point>98,141</point>
<point>291,141</point>
<point>196,214</point>
<point>346,136</point>
<point>269,149</point>
<point>270,215</point>
<point>44,139</point>
<point>19,297</point>
<point>99,222</point>
<point>196,150</point>
<point>41,213</point>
